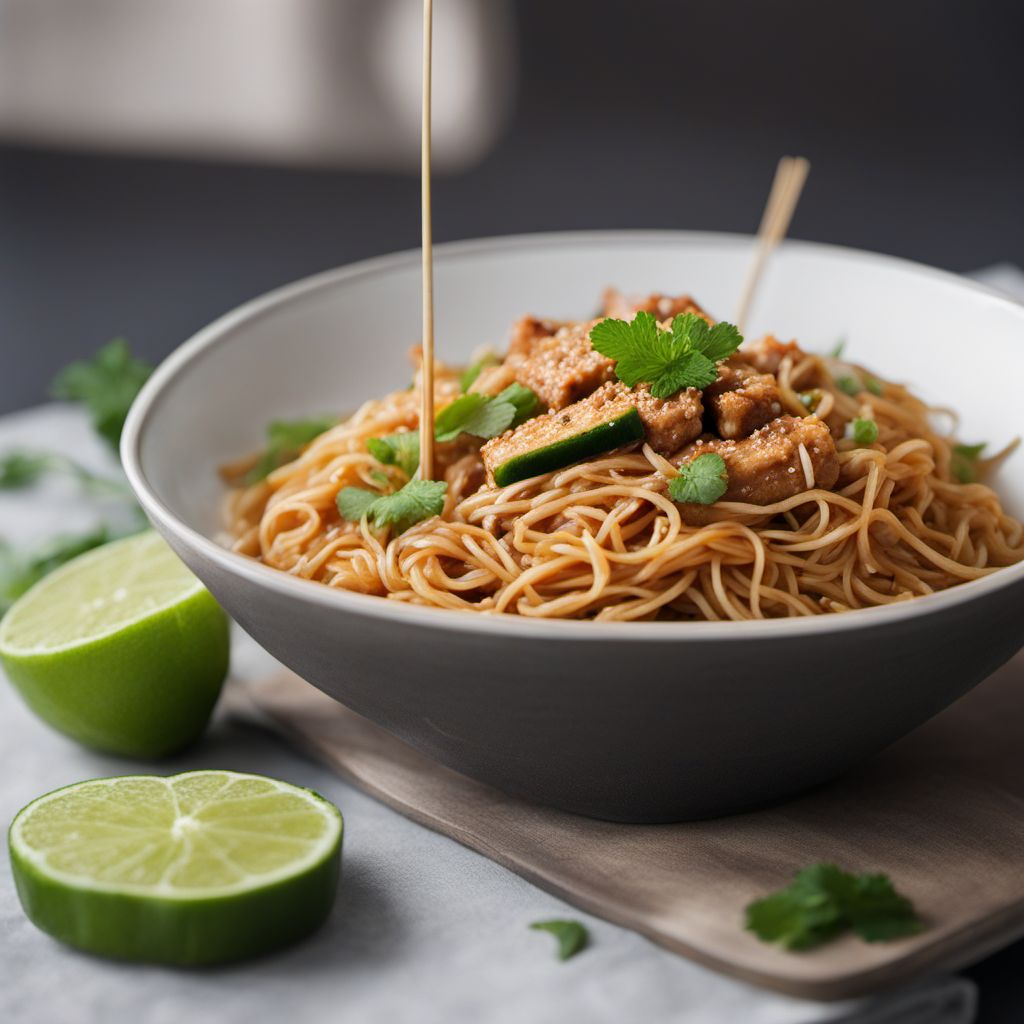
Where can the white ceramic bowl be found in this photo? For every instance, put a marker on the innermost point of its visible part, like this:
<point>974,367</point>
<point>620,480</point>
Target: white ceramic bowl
<point>631,721</point>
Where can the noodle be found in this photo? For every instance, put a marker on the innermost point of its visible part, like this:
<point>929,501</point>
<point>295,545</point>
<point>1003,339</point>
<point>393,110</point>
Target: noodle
<point>602,539</point>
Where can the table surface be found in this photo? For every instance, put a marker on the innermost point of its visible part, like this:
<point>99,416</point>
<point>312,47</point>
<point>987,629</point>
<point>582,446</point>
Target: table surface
<point>417,913</point>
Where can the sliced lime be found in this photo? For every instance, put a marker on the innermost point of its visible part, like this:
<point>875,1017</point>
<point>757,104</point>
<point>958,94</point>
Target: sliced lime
<point>122,648</point>
<point>198,868</point>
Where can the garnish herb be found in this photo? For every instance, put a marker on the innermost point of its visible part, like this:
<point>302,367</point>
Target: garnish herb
<point>20,469</point>
<point>285,441</point>
<point>402,450</point>
<point>838,349</point>
<point>864,431</point>
<point>963,463</point>
<point>874,385</point>
<point>475,414</point>
<point>106,385</point>
<point>571,935</point>
<point>468,378</point>
<point>522,399</point>
<point>823,901</point>
<point>485,415</point>
<point>702,481</point>
<point>416,501</point>
<point>684,357</point>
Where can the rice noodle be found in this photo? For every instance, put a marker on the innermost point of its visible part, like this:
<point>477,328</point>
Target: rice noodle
<point>602,539</point>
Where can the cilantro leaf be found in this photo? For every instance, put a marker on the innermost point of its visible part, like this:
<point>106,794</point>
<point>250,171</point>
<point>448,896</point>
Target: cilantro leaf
<point>468,378</point>
<point>804,914</point>
<point>684,357</point>
<point>963,463</point>
<point>402,450</point>
<point>485,415</point>
<point>715,343</point>
<point>21,469</point>
<point>416,501</point>
<point>571,935</point>
<point>864,431</point>
<point>702,481</point>
<point>285,441</point>
<point>106,385</point>
<point>523,400</point>
<point>823,900</point>
<point>473,413</point>
<point>876,912</point>
<point>355,502</point>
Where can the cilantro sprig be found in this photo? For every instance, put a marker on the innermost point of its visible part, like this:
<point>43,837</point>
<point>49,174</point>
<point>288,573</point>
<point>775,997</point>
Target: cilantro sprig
<point>21,469</point>
<point>416,501</point>
<point>285,441</point>
<point>401,450</point>
<point>571,935</point>
<point>485,415</point>
<point>702,481</point>
<point>823,901</point>
<point>106,385</point>
<point>684,357</point>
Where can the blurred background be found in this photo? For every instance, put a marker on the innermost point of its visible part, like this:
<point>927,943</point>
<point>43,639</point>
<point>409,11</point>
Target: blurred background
<point>164,160</point>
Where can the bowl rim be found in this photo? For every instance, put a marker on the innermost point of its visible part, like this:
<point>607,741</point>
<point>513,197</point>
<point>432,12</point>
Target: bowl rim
<point>154,392</point>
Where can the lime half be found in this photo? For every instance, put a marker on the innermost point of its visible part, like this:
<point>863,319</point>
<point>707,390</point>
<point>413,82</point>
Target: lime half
<point>122,648</point>
<point>200,868</point>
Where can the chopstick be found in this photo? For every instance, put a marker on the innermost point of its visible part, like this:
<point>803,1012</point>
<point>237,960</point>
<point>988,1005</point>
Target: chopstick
<point>790,176</point>
<point>427,250</point>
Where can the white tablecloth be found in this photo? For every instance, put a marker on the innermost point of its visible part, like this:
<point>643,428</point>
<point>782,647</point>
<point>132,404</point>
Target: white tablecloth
<point>424,930</point>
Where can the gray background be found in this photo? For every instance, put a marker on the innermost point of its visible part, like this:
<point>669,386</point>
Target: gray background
<point>651,113</point>
<point>647,113</point>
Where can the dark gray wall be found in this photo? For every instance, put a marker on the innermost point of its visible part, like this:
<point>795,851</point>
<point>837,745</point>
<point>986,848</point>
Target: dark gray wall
<point>631,114</point>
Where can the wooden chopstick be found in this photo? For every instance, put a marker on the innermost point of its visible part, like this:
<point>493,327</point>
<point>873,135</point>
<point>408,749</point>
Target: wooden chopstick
<point>790,176</point>
<point>427,249</point>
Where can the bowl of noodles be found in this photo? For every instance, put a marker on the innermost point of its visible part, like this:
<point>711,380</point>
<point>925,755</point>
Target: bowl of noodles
<point>662,571</point>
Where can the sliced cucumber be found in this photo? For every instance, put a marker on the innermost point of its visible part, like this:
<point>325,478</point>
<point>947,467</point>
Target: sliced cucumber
<point>624,427</point>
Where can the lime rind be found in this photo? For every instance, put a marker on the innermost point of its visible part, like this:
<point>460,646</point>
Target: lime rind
<point>307,805</point>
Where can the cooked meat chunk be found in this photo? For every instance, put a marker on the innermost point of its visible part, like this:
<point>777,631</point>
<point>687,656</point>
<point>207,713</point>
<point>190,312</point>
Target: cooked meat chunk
<point>565,367</point>
<point>526,332</point>
<point>769,465</point>
<point>664,307</point>
<point>741,400</point>
<point>669,422</point>
<point>767,354</point>
<point>601,422</point>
